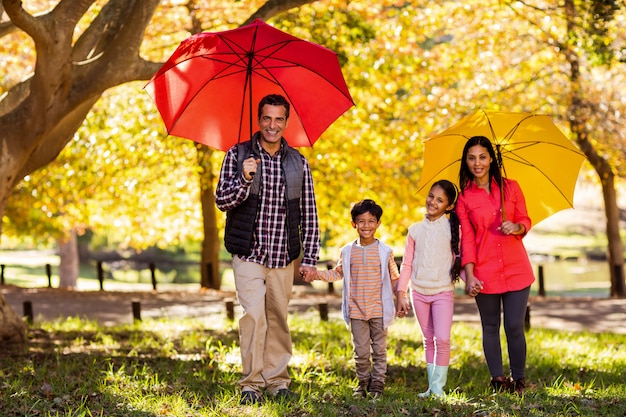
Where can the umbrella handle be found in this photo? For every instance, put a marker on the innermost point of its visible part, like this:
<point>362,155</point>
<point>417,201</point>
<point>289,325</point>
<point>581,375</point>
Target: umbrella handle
<point>502,177</point>
<point>502,209</point>
<point>252,156</point>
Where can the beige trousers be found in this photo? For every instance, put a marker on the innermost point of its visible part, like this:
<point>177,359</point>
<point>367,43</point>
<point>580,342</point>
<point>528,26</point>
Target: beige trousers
<point>370,339</point>
<point>264,337</point>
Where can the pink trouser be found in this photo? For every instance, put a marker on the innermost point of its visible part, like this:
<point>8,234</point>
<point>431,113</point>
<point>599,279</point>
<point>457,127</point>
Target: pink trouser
<point>434,315</point>
<point>264,337</point>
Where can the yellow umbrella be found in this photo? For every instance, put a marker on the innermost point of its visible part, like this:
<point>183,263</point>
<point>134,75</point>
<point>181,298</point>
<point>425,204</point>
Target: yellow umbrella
<point>531,150</point>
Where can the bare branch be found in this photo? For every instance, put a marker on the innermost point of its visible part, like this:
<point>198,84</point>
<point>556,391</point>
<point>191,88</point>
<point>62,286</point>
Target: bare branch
<point>274,7</point>
<point>21,18</point>
<point>6,28</point>
<point>112,19</point>
<point>12,98</point>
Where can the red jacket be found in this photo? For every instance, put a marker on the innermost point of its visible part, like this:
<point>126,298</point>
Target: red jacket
<point>500,261</point>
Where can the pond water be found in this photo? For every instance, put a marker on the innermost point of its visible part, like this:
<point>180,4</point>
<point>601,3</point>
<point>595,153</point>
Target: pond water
<point>573,278</point>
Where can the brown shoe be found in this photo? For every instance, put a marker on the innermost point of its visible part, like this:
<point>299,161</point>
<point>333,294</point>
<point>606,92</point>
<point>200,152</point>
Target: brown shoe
<point>518,386</point>
<point>501,384</point>
<point>376,389</point>
<point>360,390</point>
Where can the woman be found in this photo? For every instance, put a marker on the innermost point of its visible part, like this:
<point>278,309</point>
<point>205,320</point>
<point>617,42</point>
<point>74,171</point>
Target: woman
<point>493,217</point>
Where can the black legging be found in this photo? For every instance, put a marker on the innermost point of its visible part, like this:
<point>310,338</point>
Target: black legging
<point>513,304</point>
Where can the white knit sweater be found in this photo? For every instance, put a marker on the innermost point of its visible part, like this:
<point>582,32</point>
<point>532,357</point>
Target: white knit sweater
<point>432,257</point>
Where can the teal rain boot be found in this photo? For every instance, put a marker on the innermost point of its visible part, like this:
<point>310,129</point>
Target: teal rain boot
<point>429,371</point>
<point>440,377</point>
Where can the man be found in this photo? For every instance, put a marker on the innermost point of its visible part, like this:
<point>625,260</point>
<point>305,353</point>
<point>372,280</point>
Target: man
<point>266,189</point>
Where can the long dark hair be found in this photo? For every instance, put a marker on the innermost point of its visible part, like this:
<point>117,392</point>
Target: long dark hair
<point>465,175</point>
<point>452,193</point>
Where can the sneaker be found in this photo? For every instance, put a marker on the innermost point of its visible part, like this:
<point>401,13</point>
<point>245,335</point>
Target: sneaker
<point>285,394</point>
<point>250,398</point>
<point>501,384</point>
<point>376,389</point>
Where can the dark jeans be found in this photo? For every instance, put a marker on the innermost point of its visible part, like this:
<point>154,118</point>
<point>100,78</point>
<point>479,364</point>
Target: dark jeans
<point>490,307</point>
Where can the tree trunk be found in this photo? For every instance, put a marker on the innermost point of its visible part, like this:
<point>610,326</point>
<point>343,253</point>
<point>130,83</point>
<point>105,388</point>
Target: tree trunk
<point>615,253</point>
<point>210,244</point>
<point>12,328</point>
<point>69,261</point>
<point>579,119</point>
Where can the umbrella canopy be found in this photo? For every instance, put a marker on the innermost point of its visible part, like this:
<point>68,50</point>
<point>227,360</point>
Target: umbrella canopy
<point>209,89</point>
<point>531,150</point>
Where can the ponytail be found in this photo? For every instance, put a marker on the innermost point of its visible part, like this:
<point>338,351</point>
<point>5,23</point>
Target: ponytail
<point>455,272</point>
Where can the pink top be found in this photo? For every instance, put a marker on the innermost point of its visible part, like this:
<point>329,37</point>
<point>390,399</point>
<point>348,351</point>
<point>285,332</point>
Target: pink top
<point>500,261</point>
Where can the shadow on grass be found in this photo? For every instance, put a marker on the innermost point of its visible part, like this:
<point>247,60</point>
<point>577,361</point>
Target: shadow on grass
<point>159,368</point>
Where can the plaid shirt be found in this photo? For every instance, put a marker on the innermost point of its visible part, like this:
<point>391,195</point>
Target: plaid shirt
<point>270,233</point>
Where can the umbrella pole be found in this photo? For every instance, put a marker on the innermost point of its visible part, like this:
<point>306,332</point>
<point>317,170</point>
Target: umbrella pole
<point>250,92</point>
<point>502,176</point>
<point>502,201</point>
<point>250,101</point>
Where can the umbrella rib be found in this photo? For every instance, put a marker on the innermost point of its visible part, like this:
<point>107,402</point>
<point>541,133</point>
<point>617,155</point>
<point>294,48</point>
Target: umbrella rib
<point>427,183</point>
<point>554,184</point>
<point>539,142</point>
<point>289,63</point>
<point>518,159</point>
<point>261,55</point>
<point>524,161</point>
<point>511,132</point>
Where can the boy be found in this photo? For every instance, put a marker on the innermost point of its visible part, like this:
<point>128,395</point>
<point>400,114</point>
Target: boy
<point>370,281</point>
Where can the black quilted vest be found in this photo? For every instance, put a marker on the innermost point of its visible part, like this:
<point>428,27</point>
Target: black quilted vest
<point>240,221</point>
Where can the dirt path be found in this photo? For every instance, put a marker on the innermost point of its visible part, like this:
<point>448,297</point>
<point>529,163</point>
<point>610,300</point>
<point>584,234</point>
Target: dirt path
<point>109,308</point>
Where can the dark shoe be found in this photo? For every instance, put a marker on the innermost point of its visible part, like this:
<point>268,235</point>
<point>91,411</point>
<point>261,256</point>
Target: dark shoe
<point>250,398</point>
<point>360,390</point>
<point>501,384</point>
<point>518,386</point>
<point>376,389</point>
<point>285,394</point>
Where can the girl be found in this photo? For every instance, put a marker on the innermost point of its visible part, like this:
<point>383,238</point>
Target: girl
<point>432,264</point>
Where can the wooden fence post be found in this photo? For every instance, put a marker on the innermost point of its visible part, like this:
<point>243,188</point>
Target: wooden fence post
<point>323,307</point>
<point>542,288</point>
<point>100,275</point>
<point>230,310</point>
<point>331,286</point>
<point>28,311</point>
<point>2,274</point>
<point>136,306</point>
<point>49,273</point>
<point>152,267</point>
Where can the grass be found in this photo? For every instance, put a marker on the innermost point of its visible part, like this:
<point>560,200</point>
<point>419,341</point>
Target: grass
<point>189,367</point>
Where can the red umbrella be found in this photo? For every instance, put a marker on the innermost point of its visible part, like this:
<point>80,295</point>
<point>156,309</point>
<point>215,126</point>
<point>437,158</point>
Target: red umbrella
<point>209,89</point>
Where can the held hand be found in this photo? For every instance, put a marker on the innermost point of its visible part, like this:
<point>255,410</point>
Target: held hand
<point>473,286</point>
<point>249,167</point>
<point>402,306</point>
<point>308,273</point>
